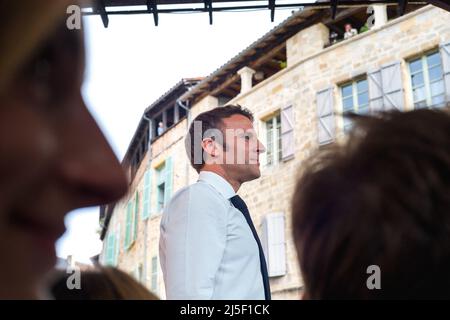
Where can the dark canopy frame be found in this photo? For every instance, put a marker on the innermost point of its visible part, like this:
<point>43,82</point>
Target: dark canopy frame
<point>105,8</point>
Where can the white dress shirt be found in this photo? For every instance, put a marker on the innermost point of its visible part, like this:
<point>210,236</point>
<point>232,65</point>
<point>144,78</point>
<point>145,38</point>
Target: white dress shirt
<point>207,249</point>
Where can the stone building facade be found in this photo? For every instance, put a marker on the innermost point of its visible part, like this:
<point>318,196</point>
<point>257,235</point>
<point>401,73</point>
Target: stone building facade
<point>399,63</point>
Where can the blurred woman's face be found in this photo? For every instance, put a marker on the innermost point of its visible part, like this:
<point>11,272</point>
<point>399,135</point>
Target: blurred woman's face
<point>53,159</point>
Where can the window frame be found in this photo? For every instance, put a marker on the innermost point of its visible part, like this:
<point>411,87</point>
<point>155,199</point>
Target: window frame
<point>426,79</point>
<point>355,99</point>
<point>275,120</point>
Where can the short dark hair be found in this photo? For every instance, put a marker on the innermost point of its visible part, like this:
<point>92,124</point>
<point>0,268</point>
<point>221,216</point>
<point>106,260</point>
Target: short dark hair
<point>382,198</point>
<point>211,119</point>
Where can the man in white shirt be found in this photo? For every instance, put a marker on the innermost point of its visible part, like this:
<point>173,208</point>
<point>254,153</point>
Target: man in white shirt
<point>209,248</point>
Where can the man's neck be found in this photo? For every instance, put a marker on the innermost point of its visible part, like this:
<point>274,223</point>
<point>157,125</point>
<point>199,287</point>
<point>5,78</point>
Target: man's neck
<point>221,172</point>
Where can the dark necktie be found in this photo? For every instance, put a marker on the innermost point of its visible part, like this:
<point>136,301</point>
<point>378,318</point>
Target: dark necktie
<point>241,206</point>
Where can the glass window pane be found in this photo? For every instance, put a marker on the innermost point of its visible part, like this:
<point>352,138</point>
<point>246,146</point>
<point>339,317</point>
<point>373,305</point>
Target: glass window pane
<point>364,109</point>
<point>415,65</point>
<point>363,99</point>
<point>269,144</point>
<point>362,85</point>
<point>434,59</point>
<point>419,94</point>
<point>439,101</point>
<point>417,79</point>
<point>347,91</point>
<point>435,73</point>
<point>420,105</point>
<point>437,88</point>
<point>348,104</point>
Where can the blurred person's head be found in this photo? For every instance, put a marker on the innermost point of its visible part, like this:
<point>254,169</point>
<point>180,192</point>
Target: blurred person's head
<point>224,141</point>
<point>348,27</point>
<point>53,157</point>
<point>381,199</point>
<point>100,283</point>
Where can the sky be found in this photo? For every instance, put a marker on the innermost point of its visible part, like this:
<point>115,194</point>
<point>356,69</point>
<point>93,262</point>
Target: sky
<point>132,63</point>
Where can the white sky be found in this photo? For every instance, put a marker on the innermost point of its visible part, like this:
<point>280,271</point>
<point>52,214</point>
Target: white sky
<point>132,63</point>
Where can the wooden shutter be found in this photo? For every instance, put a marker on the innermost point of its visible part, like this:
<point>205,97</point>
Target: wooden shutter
<point>445,52</point>
<point>375,91</point>
<point>325,113</point>
<point>110,248</point>
<point>136,216</point>
<point>168,185</point>
<point>274,244</point>
<point>146,210</point>
<point>287,133</point>
<point>128,225</point>
<point>154,281</point>
<point>392,84</point>
<point>117,245</point>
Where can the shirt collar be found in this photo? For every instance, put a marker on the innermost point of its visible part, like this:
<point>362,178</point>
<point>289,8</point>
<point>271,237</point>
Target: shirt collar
<point>218,183</point>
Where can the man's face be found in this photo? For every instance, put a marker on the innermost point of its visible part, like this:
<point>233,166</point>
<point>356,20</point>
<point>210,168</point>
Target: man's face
<point>348,27</point>
<point>53,159</point>
<point>242,149</point>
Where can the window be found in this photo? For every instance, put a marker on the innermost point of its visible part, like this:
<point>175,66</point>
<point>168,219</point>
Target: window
<point>355,98</point>
<point>170,117</point>
<point>273,138</point>
<point>140,274</point>
<point>164,184</point>
<point>157,129</point>
<point>161,186</point>
<point>154,286</point>
<point>427,81</point>
<point>181,112</point>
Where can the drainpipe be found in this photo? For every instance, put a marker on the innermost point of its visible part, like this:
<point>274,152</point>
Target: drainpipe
<point>188,113</point>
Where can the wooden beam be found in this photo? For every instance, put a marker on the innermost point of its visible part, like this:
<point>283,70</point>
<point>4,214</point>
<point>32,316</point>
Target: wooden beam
<point>227,78</point>
<point>272,9</point>
<point>402,7</point>
<point>255,64</point>
<point>341,16</point>
<point>334,4</point>
<point>101,10</point>
<point>153,8</point>
<point>208,7</point>
<point>443,4</point>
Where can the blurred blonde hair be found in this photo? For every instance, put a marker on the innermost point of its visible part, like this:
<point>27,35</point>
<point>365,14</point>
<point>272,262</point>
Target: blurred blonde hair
<point>24,24</point>
<point>101,283</point>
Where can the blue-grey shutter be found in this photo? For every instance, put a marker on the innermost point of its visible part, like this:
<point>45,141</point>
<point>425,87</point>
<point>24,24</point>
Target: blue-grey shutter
<point>110,248</point>
<point>128,225</point>
<point>147,194</point>
<point>168,180</point>
<point>325,113</point>
<point>287,133</point>
<point>392,84</point>
<point>375,91</point>
<point>445,52</point>
<point>117,245</point>
<point>136,216</point>
<point>274,244</point>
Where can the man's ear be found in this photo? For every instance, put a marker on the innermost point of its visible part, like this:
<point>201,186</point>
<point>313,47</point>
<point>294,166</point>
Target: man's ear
<point>209,146</point>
